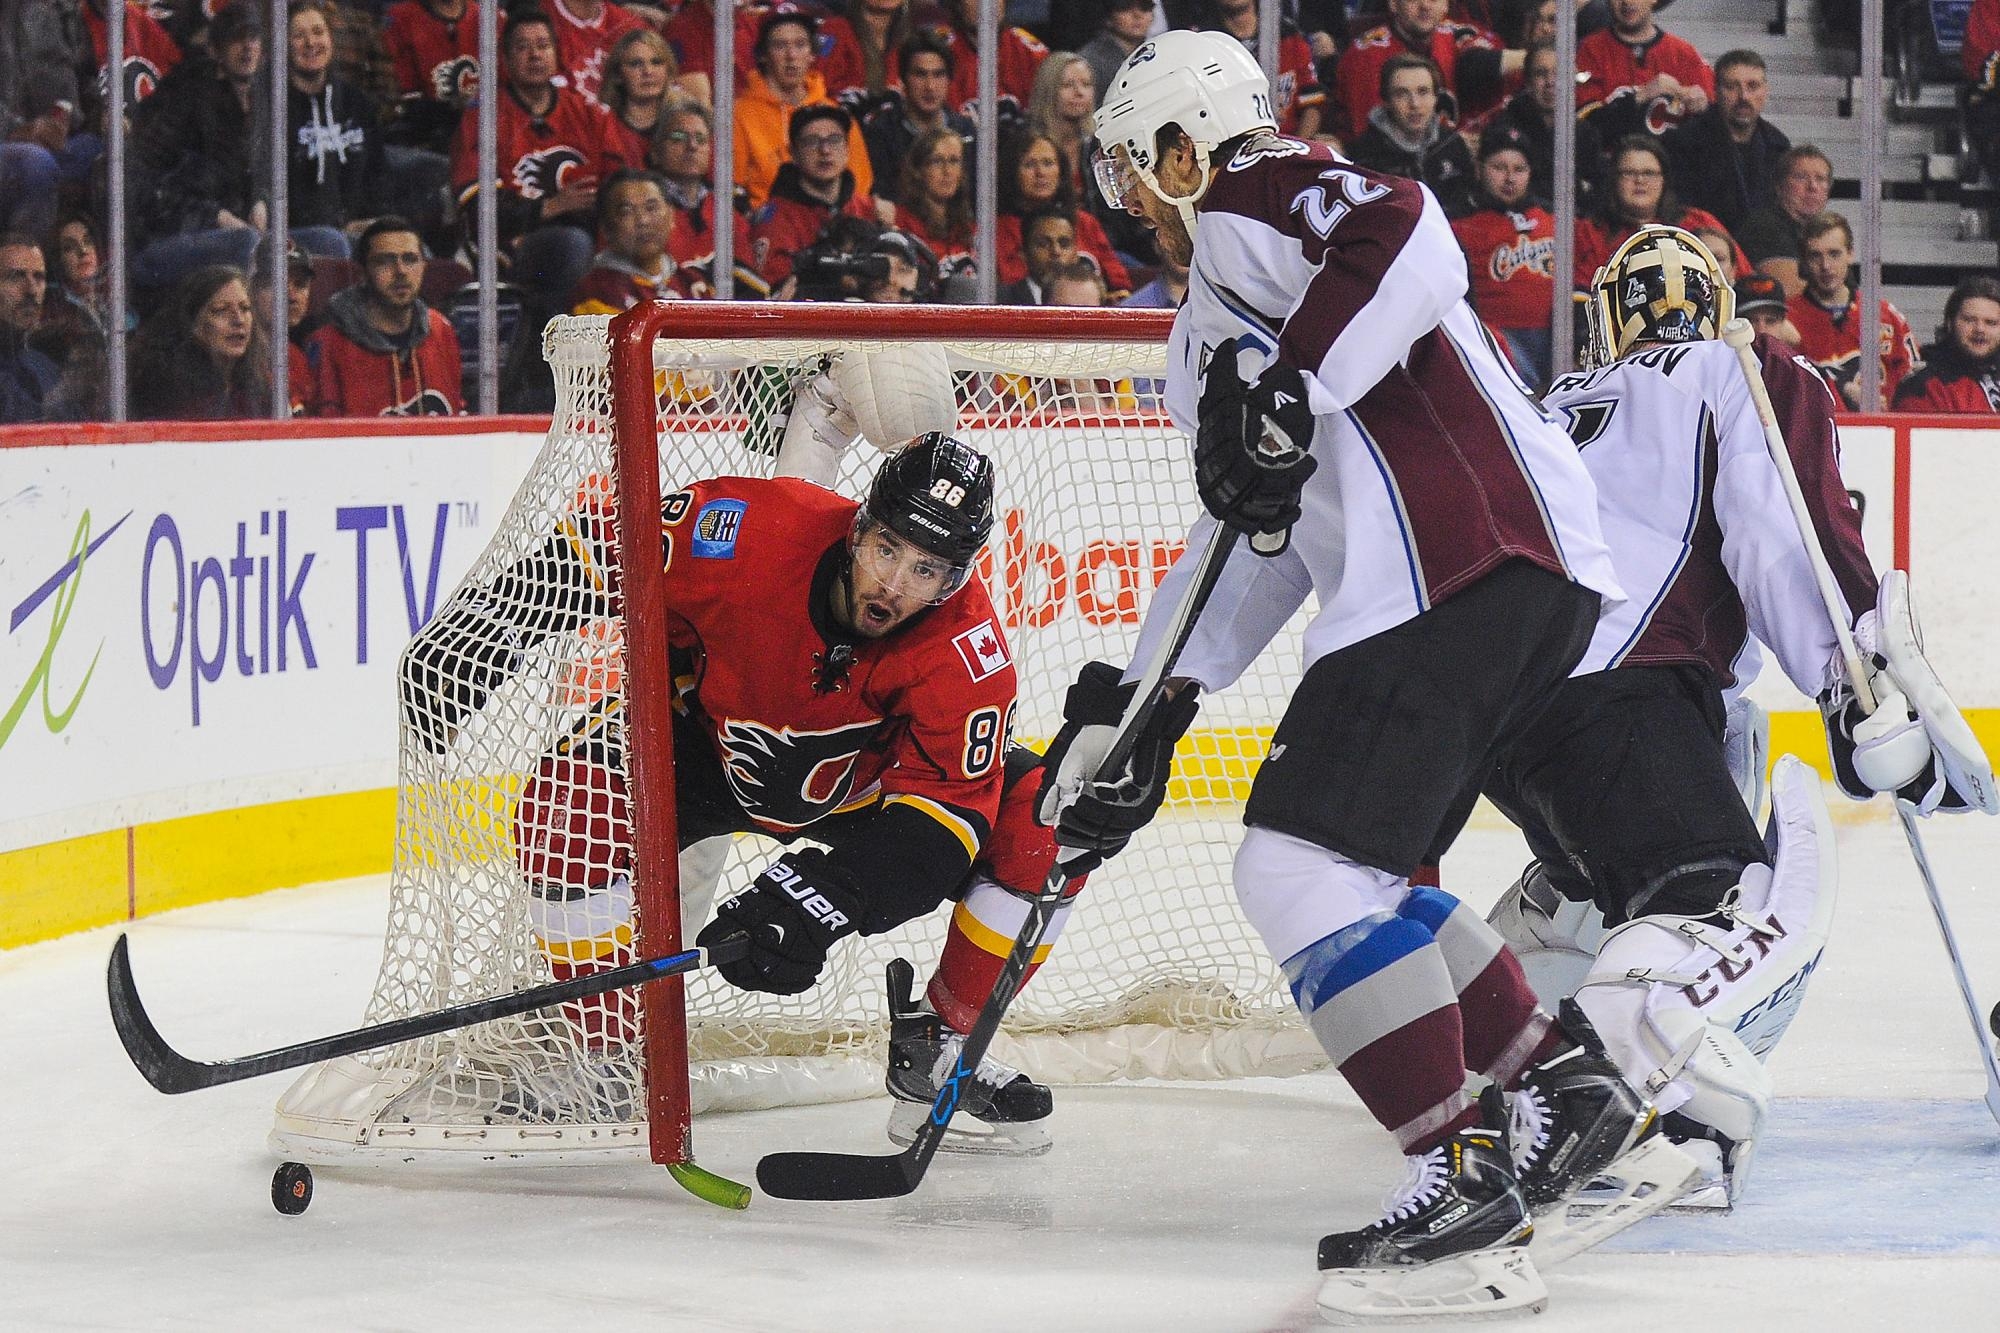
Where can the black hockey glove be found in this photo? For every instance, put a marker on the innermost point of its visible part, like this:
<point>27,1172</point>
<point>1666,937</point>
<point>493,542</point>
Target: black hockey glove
<point>1251,459</point>
<point>793,913</point>
<point>1096,818</point>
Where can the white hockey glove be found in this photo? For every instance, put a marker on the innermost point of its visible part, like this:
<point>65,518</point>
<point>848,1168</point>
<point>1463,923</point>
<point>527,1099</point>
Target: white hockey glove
<point>818,433</point>
<point>1916,744</point>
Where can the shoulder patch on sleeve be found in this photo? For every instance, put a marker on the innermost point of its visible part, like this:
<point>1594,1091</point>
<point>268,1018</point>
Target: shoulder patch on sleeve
<point>716,528</point>
<point>982,651</point>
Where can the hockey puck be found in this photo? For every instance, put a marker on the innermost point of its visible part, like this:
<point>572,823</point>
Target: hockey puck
<point>292,1188</point>
<point>1993,1021</point>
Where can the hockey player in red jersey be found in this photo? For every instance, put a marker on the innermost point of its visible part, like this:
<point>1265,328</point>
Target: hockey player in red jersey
<point>841,678</point>
<point>1450,533</point>
<point>1636,797</point>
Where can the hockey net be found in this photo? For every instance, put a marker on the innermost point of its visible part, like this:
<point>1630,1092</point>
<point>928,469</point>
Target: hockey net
<point>1156,974</point>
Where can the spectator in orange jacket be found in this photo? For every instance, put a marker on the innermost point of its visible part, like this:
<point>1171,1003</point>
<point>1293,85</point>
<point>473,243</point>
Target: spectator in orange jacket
<point>384,352</point>
<point>787,78</point>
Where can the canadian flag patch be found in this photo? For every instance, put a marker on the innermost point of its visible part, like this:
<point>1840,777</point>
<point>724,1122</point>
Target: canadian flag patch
<point>981,650</point>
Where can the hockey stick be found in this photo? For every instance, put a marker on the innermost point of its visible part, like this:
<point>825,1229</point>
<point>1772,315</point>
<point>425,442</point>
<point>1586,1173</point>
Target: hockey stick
<point>171,1072</point>
<point>1739,335</point>
<point>833,1175</point>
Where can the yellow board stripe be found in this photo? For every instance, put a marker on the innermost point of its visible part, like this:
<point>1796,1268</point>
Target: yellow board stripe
<point>988,939</point>
<point>961,830</point>
<point>96,879</point>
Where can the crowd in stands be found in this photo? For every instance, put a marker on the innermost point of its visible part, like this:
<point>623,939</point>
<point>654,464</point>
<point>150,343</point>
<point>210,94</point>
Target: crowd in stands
<point>854,141</point>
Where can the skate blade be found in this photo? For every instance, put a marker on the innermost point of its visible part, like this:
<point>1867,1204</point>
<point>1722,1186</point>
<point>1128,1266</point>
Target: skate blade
<point>1636,1186</point>
<point>969,1136</point>
<point>1486,1284</point>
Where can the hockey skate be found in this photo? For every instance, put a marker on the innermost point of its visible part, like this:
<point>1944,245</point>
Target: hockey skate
<point>1578,1125</point>
<point>1452,1241</point>
<point>1009,1111</point>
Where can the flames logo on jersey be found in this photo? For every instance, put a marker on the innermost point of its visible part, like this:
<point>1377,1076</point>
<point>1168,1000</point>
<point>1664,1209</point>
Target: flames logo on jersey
<point>544,173</point>
<point>1663,113</point>
<point>455,81</point>
<point>142,76</point>
<point>786,778</point>
<point>423,403</point>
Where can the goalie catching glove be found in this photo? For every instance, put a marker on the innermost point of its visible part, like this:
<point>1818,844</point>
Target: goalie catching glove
<point>1094,820</point>
<point>1250,449</point>
<point>1916,743</point>
<point>792,913</point>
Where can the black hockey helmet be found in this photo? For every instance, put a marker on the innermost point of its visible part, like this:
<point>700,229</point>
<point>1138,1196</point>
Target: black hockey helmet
<point>936,493</point>
<point>1662,285</point>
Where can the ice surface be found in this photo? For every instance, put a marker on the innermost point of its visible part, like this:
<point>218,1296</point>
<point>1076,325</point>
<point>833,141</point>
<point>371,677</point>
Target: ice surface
<point>1876,1203</point>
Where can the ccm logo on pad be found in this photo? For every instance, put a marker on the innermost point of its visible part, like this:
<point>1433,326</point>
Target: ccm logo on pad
<point>981,650</point>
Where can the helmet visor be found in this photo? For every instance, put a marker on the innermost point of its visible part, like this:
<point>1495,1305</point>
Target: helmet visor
<point>903,567</point>
<point>1117,180</point>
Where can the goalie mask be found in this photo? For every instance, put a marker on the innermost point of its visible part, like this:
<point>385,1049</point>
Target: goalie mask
<point>1662,285</point>
<point>934,499</point>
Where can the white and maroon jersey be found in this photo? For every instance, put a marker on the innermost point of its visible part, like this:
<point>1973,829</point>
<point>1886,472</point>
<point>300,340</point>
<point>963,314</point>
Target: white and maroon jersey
<point>1696,515</point>
<point>1435,466</point>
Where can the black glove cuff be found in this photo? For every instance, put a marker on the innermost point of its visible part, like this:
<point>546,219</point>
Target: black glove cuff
<point>1098,697</point>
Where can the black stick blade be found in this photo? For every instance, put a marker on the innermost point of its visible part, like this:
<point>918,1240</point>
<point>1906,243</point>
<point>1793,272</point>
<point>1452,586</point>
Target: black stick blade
<point>163,1066</point>
<point>834,1176</point>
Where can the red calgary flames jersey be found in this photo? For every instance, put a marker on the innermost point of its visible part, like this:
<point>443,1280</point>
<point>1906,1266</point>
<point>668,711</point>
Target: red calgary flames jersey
<point>1357,80</point>
<point>1834,344</point>
<point>572,145</point>
<point>1611,67</point>
<point>582,46</point>
<point>436,59</point>
<point>150,54</point>
<point>806,726</point>
<point>1512,256</point>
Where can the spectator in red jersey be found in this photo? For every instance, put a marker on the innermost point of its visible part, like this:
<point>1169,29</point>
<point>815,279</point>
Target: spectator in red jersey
<point>1771,235</point>
<point>1060,107</point>
<point>434,45</point>
<point>384,352</point>
<point>1031,178</point>
<point>787,78</point>
<point>1509,241</point>
<point>1827,315</point>
<point>1126,24</point>
<point>335,168</point>
<point>1048,243</point>
<point>201,357</point>
<point>814,187</point>
<point>1638,77</point>
<point>684,155</point>
<point>150,54</point>
<point>1020,55</point>
<point>1961,371</point>
<point>555,147</point>
<point>1300,101</point>
<point>1637,194</point>
<point>1726,159</point>
<point>586,30</point>
<point>691,32</point>
<point>858,55</point>
<point>935,204</point>
<point>636,79</point>
<point>1531,112</point>
<point>1407,137</point>
<point>893,128</point>
<point>1760,298</point>
<point>633,219</point>
<point>1476,70</point>
<point>1980,55</point>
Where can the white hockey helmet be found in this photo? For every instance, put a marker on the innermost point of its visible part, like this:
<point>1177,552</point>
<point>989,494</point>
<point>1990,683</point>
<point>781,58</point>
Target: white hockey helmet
<point>1203,82</point>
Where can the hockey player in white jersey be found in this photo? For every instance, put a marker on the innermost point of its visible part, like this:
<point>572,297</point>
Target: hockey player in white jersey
<point>1624,786</point>
<point>1450,533</point>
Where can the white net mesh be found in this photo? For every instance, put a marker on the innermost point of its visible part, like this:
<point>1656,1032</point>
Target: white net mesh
<point>1156,974</point>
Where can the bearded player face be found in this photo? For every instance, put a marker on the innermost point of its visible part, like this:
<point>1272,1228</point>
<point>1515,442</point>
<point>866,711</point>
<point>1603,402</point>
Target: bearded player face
<point>889,580</point>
